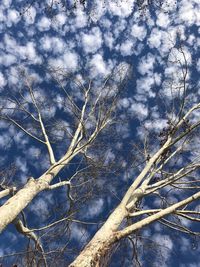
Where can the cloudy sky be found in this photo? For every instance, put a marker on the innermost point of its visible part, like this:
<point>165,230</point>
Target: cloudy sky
<point>155,44</point>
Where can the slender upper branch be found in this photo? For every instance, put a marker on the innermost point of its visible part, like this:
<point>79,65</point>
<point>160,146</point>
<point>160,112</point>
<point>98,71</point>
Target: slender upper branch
<point>47,142</point>
<point>130,229</point>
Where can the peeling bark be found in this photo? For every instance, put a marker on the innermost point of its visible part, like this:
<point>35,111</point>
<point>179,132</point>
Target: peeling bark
<point>96,253</point>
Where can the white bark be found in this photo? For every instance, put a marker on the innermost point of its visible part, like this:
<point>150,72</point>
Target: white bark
<point>155,217</point>
<point>98,249</point>
<point>95,253</point>
<point>15,204</point>
<point>7,191</point>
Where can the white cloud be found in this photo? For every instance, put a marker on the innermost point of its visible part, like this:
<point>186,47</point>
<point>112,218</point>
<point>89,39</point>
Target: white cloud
<point>163,20</point>
<point>13,76</point>
<point>191,40</point>
<point>6,3</point>
<point>173,83</point>
<point>68,61</point>
<point>48,112</point>
<point>139,110</point>
<point>9,42</point>
<point>126,48</point>
<point>29,52</point>
<point>155,38</point>
<point>81,19</point>
<point>97,11</point>
<point>110,156</point>
<point>60,19</point>
<point>95,208</point>
<point>138,32</point>
<point>33,152</point>
<point>29,17</point>
<point>3,82</point>
<point>7,59</point>
<point>177,56</point>
<point>119,28</point>
<point>109,40</point>
<point>106,23</point>
<point>189,12</point>
<point>98,66</point>
<point>46,43</point>
<point>92,41</point>
<point>44,24</point>
<point>198,64</point>
<point>166,244</point>
<point>21,164</point>
<point>13,17</point>
<point>146,64</point>
<point>53,44</point>
<point>79,233</point>
<point>71,60</point>
<point>2,17</point>
<point>21,52</point>
<point>157,78</point>
<point>5,141</point>
<point>169,5</point>
<point>121,8</point>
<point>125,102</point>
<point>155,125</point>
<point>40,208</point>
<point>190,264</point>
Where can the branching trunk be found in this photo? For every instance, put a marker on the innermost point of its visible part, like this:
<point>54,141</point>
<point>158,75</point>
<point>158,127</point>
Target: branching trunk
<point>15,204</point>
<point>78,144</point>
<point>97,252</point>
<point>98,249</point>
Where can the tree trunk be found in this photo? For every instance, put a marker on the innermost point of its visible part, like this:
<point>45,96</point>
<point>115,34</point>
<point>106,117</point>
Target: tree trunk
<point>96,253</point>
<point>18,202</point>
<point>14,205</point>
<point>98,250</point>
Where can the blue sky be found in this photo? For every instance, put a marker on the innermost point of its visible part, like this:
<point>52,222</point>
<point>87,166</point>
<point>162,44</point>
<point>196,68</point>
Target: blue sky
<point>116,35</point>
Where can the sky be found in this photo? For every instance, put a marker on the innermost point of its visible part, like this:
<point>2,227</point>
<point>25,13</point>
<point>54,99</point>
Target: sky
<point>151,46</point>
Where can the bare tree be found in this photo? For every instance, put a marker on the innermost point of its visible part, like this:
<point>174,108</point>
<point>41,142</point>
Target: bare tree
<point>90,110</point>
<point>172,165</point>
<point>169,163</point>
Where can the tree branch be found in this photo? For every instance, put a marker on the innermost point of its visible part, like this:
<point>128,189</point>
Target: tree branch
<point>132,228</point>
